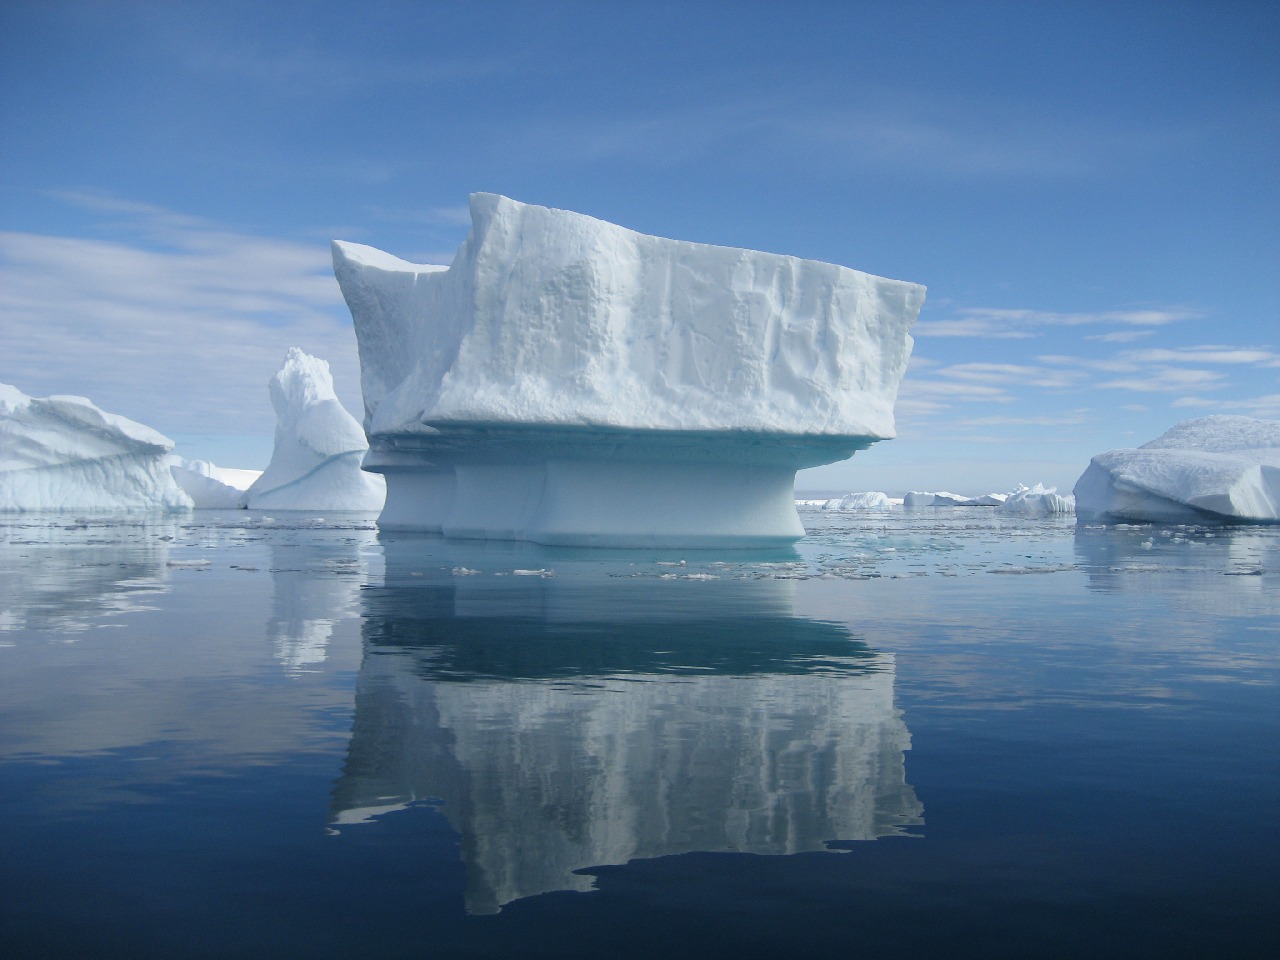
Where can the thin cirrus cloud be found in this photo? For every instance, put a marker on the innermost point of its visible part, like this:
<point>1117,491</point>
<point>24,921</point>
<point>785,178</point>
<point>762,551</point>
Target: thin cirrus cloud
<point>1206,354</point>
<point>1022,324</point>
<point>1013,374</point>
<point>180,328</point>
<point>1165,380</point>
<point>1266,406</point>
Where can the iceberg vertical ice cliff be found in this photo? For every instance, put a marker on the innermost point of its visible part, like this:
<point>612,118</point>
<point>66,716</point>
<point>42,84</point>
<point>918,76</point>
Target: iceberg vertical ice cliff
<point>63,453</point>
<point>569,381</point>
<point>315,464</point>
<point>1221,467</point>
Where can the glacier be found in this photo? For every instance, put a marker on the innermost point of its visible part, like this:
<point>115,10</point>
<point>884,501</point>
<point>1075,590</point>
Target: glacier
<point>1219,467</point>
<point>64,453</point>
<point>315,463</point>
<point>569,381</point>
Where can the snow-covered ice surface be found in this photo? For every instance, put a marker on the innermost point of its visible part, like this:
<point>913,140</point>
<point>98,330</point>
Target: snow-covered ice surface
<point>570,381</point>
<point>63,453</point>
<point>1222,466</point>
<point>319,446</point>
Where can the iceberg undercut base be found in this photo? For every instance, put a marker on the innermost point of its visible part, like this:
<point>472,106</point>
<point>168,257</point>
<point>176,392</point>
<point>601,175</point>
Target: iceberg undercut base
<point>599,486</point>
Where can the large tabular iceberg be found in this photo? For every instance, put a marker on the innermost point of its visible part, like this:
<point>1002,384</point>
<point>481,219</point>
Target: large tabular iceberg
<point>318,447</point>
<point>1214,467</point>
<point>63,453</point>
<point>569,381</point>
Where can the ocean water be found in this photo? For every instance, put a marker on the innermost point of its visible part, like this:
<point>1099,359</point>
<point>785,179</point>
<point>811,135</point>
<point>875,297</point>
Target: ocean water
<point>916,734</point>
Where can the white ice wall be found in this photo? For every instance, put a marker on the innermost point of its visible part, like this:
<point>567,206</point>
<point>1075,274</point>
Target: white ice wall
<point>552,317</point>
<point>1221,466</point>
<point>63,453</point>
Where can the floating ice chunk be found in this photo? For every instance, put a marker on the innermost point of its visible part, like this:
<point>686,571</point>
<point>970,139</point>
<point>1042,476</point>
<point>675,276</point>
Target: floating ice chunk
<point>63,453</point>
<point>318,446</point>
<point>1223,466</point>
<point>598,383</point>
<point>1037,501</point>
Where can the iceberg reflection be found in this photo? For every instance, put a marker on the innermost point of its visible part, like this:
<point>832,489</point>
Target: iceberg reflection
<point>63,575</point>
<point>560,725</point>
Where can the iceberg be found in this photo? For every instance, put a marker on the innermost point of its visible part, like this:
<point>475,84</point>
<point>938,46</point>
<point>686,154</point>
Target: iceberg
<point>212,487</point>
<point>315,464</point>
<point>569,381</point>
<point>869,500</point>
<point>944,498</point>
<point>1037,501</point>
<point>63,453</point>
<point>1220,467</point>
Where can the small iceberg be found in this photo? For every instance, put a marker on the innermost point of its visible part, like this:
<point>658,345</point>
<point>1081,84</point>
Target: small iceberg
<point>1221,467</point>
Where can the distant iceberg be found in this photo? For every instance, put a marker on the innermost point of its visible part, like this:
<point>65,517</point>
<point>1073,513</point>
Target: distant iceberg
<point>315,464</point>
<point>63,453</point>
<point>1037,501</point>
<point>868,500</point>
<point>1024,501</point>
<point>1220,467</point>
<point>569,381</point>
<point>944,498</point>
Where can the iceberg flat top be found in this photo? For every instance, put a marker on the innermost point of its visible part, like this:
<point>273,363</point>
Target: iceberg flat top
<point>1223,434</point>
<point>548,317</point>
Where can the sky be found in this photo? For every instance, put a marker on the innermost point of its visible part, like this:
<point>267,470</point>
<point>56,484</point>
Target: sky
<point>1090,192</point>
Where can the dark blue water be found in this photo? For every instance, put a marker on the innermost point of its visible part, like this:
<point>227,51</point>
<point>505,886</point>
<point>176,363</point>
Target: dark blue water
<point>932,733</point>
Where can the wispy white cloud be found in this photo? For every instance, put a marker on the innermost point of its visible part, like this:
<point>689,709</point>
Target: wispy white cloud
<point>1074,418</point>
<point>1013,374</point>
<point>1120,336</point>
<point>1020,324</point>
<point>1266,406</point>
<point>946,390</point>
<point>1206,354</point>
<point>179,326</point>
<point>1164,380</point>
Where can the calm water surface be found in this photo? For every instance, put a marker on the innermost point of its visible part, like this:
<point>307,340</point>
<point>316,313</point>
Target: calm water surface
<point>929,733</point>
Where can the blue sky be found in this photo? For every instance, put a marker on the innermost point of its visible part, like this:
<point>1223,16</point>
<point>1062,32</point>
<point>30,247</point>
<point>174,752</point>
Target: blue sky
<point>1091,193</point>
